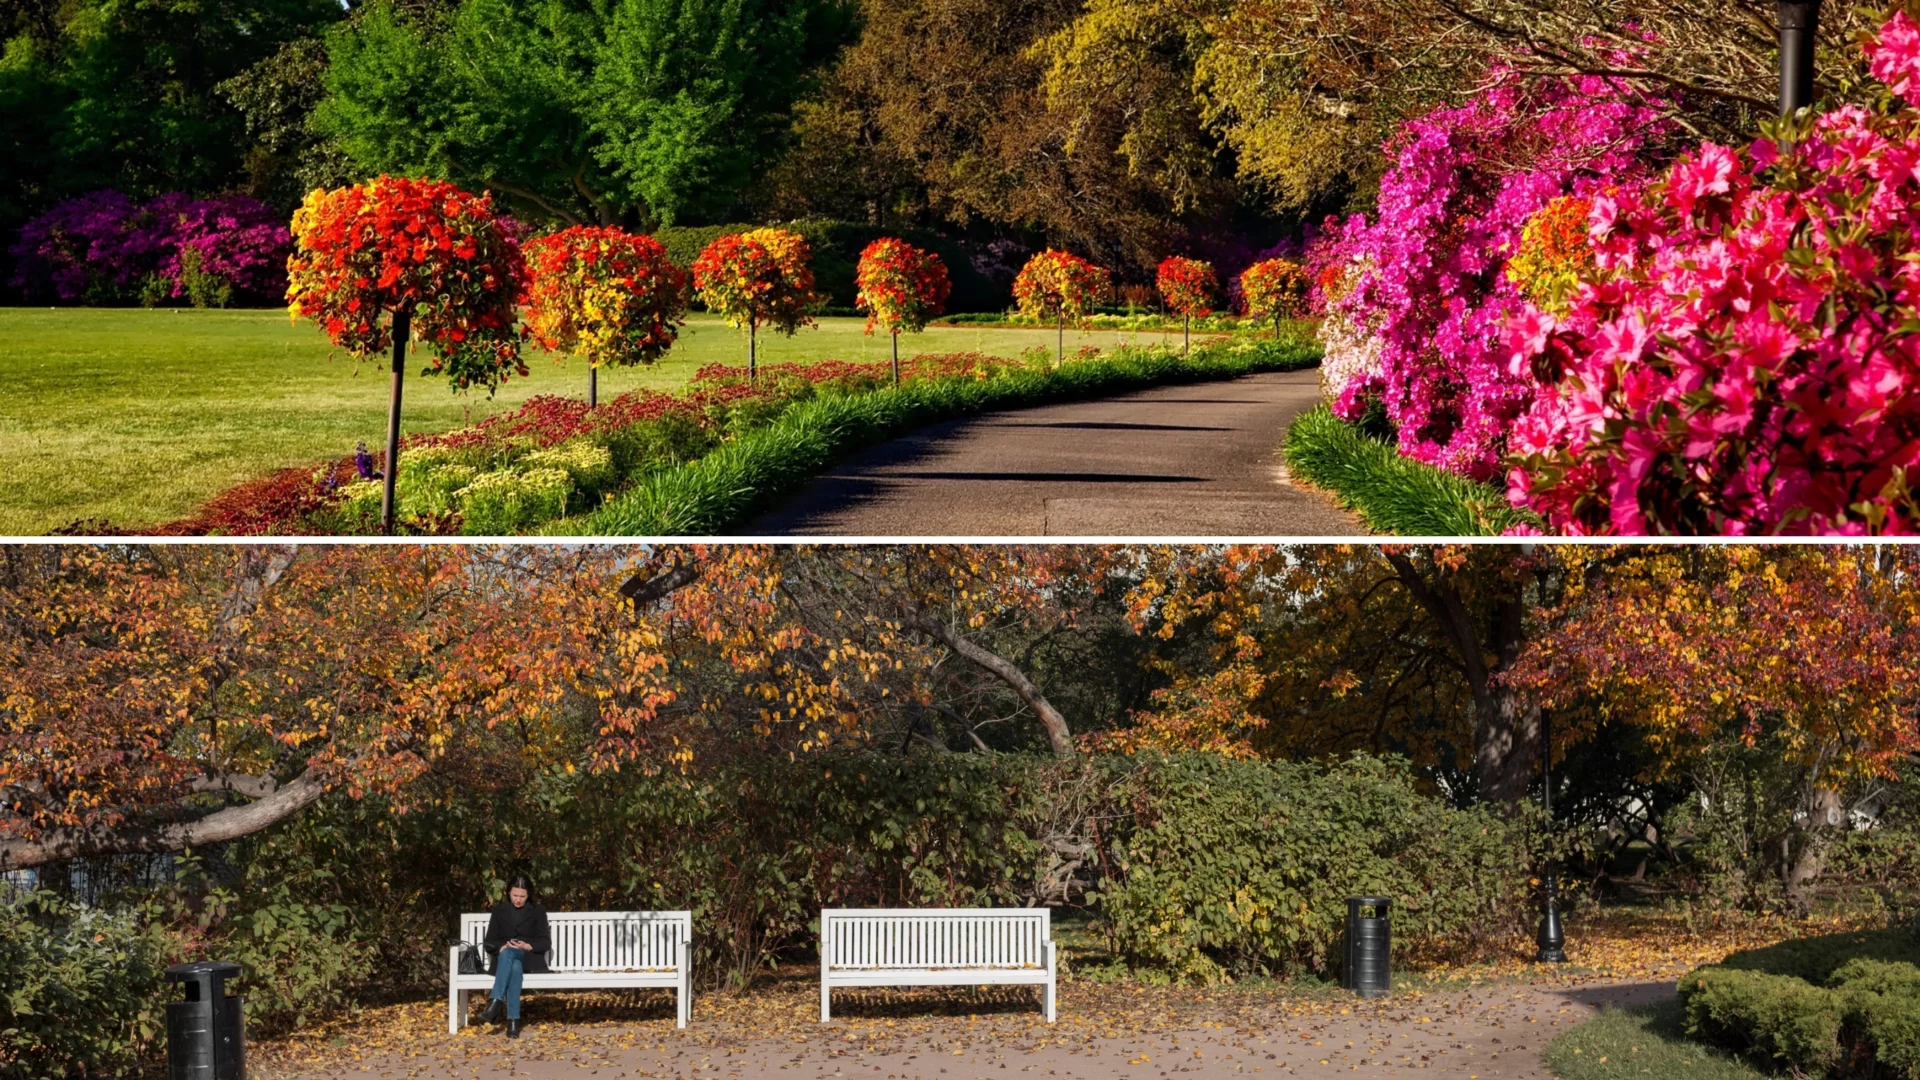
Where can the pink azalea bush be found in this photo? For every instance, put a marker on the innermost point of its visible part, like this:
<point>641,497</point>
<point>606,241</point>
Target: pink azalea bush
<point>1743,357</point>
<point>105,248</point>
<point>1419,299</point>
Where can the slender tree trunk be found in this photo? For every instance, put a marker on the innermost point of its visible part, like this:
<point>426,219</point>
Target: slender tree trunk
<point>593,386</point>
<point>753,353</point>
<point>896,357</point>
<point>402,326</point>
<point>1060,340</point>
<point>1186,334</point>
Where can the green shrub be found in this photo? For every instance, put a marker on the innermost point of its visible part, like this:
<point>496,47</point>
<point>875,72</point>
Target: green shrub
<point>1244,867</point>
<point>1838,1004</point>
<point>1785,1020</point>
<point>81,991</point>
<point>1391,493</point>
<point>302,959</point>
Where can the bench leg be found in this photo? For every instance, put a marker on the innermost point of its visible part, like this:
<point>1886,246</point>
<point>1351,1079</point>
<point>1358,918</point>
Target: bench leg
<point>456,1016</point>
<point>1047,993</point>
<point>683,999</point>
<point>826,1002</point>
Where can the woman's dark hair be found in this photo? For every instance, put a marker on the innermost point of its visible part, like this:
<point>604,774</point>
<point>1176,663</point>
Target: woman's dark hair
<point>520,881</point>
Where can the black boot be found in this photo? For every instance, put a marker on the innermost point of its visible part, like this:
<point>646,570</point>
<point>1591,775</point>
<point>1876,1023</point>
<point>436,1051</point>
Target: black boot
<point>491,1014</point>
<point>513,1029</point>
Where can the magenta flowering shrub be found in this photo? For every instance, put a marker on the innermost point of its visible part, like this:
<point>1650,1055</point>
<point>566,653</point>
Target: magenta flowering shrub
<point>104,248</point>
<point>1744,357</point>
<point>1418,287</point>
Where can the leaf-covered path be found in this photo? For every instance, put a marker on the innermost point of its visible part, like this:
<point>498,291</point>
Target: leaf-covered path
<point>1496,1031</point>
<point>1188,460</point>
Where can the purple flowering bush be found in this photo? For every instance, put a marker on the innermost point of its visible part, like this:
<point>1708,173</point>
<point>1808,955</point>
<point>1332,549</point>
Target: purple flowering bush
<point>1417,292</point>
<point>104,248</point>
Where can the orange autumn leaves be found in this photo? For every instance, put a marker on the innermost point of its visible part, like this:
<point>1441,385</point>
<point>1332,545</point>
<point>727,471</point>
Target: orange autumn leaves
<point>611,296</point>
<point>758,278</point>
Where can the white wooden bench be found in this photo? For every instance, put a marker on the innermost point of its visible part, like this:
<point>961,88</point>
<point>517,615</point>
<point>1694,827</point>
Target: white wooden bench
<point>936,947</point>
<point>592,950</point>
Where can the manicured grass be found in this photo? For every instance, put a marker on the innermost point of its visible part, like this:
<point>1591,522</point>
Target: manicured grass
<point>718,493</point>
<point>1391,493</point>
<point>137,417</point>
<point>1639,1043</point>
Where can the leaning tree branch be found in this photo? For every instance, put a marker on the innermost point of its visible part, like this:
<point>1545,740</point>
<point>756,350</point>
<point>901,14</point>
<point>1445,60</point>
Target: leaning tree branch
<point>1058,736</point>
<point>73,842</point>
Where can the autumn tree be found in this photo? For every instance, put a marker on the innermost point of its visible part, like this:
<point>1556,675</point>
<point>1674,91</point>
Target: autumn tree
<point>758,278</point>
<point>606,294</point>
<point>1805,655</point>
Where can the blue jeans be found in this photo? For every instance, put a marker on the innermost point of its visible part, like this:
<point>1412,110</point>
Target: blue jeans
<point>508,969</point>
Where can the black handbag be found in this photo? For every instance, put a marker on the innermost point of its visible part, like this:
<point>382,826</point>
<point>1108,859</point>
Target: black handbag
<point>470,963</point>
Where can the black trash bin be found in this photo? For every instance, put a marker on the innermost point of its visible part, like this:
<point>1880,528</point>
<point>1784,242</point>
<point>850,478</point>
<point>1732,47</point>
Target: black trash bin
<point>205,1036</point>
<point>1368,943</point>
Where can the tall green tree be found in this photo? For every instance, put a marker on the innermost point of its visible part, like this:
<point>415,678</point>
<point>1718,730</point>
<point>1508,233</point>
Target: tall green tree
<point>623,110</point>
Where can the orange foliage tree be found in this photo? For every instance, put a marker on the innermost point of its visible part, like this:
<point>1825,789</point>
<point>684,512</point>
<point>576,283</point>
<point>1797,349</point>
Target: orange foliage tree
<point>900,288</point>
<point>1810,655</point>
<point>1059,285</point>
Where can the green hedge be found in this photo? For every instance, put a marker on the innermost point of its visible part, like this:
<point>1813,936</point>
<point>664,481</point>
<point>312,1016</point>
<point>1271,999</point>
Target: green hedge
<point>836,252</point>
<point>1391,493</point>
<point>721,490</point>
<point>1841,1005</point>
<point>1244,867</point>
<point>1216,866</point>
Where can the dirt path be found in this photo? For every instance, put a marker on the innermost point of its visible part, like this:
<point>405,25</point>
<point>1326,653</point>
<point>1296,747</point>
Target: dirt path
<point>1496,1031</point>
<point>1193,460</point>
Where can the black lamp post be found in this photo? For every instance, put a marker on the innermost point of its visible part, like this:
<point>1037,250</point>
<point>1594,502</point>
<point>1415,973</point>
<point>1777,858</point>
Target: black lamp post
<point>1798,21</point>
<point>1552,938</point>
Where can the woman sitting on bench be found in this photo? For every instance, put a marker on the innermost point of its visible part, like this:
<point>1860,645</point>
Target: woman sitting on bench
<point>517,940</point>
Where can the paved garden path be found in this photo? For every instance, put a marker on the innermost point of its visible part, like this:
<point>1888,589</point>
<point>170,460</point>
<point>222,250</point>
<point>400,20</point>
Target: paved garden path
<point>1193,460</point>
<point>1497,1031</point>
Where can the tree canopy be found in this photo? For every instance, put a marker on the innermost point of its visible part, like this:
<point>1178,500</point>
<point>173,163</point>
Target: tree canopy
<point>651,110</point>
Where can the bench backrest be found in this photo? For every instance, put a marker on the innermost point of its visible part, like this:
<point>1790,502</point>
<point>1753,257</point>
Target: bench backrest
<point>604,940</point>
<point>934,937</point>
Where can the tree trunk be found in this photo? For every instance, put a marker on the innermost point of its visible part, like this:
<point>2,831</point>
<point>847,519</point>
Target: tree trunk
<point>1825,819</point>
<point>402,326</point>
<point>1506,727</point>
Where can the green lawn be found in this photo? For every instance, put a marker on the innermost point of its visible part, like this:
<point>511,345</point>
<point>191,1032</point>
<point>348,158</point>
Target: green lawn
<point>1646,1043</point>
<point>138,416</point>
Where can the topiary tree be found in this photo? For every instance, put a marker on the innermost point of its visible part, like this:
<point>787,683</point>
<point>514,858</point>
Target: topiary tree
<point>1273,288</point>
<point>379,262</point>
<point>1188,286</point>
<point>1062,285</point>
<point>757,278</point>
<point>606,294</point>
<point>900,287</point>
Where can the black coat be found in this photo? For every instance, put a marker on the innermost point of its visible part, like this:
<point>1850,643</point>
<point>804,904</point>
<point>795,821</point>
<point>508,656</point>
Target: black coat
<point>529,924</point>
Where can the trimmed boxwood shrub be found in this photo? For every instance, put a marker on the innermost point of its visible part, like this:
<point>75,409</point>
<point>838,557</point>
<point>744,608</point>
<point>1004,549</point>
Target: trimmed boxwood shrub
<point>836,253</point>
<point>1840,1005</point>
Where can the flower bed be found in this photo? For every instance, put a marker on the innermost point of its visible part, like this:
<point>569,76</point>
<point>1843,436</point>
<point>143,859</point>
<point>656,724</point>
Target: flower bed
<point>552,456</point>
